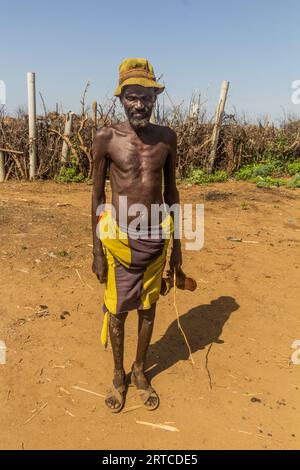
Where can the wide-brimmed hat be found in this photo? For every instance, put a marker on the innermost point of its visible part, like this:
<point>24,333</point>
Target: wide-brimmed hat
<point>135,71</point>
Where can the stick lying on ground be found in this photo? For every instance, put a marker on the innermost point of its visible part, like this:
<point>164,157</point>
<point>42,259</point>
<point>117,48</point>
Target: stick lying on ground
<point>159,426</point>
<point>88,391</point>
<point>36,413</point>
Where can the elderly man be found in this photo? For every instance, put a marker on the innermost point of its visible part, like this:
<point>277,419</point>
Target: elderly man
<point>140,157</point>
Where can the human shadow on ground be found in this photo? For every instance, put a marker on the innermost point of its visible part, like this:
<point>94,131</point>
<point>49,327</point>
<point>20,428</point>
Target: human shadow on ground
<point>203,325</point>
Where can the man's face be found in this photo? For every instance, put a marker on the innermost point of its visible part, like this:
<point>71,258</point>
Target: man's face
<point>138,102</point>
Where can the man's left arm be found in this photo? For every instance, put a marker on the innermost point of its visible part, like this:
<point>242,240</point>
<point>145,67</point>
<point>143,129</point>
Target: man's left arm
<point>171,196</point>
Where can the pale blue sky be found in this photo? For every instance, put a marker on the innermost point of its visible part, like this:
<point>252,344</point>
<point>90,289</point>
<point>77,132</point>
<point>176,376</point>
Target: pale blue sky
<point>194,44</point>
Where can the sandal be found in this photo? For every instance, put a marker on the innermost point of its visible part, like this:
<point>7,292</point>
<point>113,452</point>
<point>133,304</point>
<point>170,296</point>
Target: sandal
<point>118,393</point>
<point>146,394</point>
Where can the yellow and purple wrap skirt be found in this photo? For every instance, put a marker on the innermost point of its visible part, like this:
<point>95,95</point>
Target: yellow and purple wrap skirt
<point>135,266</point>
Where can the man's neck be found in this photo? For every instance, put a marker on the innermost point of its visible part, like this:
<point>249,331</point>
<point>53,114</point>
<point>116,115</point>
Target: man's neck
<point>139,131</point>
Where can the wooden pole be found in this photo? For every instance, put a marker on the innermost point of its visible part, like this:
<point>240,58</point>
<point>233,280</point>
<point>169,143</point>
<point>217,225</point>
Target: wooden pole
<point>67,133</point>
<point>32,123</point>
<point>217,126</point>
<point>94,109</point>
<point>2,167</point>
<point>153,117</point>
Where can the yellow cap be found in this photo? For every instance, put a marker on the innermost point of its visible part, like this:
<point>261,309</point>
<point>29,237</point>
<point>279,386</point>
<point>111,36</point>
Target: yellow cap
<point>136,71</point>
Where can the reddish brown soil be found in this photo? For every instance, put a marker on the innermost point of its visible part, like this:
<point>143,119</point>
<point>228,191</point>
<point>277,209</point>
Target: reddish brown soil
<point>242,392</point>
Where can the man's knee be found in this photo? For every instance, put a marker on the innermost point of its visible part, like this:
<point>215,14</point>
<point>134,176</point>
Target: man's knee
<point>117,321</point>
<point>148,314</point>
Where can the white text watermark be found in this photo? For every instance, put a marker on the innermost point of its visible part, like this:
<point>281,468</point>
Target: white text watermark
<point>295,357</point>
<point>2,353</point>
<point>184,221</point>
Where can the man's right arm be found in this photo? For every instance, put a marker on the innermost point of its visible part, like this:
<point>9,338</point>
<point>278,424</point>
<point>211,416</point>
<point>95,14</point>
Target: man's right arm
<point>99,150</point>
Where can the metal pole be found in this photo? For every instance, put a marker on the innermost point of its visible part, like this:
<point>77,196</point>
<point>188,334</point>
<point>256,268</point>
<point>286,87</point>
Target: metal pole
<point>32,123</point>
<point>2,167</point>
<point>217,126</point>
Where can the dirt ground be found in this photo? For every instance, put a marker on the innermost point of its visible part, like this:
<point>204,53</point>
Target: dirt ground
<point>242,392</point>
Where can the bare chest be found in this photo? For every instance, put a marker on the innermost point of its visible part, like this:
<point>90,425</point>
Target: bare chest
<point>131,157</point>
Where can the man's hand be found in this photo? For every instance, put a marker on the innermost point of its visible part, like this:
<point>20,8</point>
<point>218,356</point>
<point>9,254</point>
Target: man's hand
<point>100,268</point>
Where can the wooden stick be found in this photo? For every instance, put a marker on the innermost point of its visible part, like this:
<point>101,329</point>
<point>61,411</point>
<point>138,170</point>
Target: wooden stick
<point>32,124</point>
<point>178,321</point>
<point>94,109</point>
<point>79,276</point>
<point>88,391</point>
<point>132,408</point>
<point>11,151</point>
<point>67,140</point>
<point>159,426</point>
<point>217,126</point>
<point>67,133</point>
<point>2,167</point>
<point>9,171</point>
<point>36,413</point>
<point>206,365</point>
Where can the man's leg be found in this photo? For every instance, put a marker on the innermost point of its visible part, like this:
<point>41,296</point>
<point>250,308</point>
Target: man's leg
<point>146,323</point>
<point>116,332</point>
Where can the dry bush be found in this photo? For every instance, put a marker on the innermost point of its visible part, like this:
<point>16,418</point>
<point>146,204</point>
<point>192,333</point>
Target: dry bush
<point>240,143</point>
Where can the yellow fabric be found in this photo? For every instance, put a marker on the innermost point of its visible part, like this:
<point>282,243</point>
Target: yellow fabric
<point>104,331</point>
<point>152,279</point>
<point>115,244</point>
<point>110,233</point>
<point>110,294</point>
<point>137,71</point>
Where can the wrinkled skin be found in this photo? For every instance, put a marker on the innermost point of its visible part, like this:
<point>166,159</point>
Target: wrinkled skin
<point>137,152</point>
